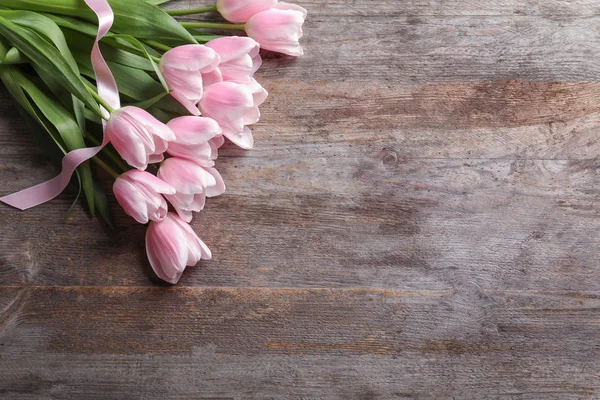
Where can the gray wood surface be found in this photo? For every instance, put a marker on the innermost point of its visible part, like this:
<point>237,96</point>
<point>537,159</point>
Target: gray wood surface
<point>419,220</point>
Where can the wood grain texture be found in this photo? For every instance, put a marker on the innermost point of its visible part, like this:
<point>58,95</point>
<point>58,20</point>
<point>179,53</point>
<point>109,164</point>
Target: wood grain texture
<point>365,8</point>
<point>101,343</point>
<point>419,219</point>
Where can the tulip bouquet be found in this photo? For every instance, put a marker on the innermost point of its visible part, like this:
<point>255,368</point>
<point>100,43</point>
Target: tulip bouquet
<point>123,85</point>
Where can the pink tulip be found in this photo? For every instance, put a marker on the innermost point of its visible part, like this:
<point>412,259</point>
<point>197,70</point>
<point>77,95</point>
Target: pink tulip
<point>215,144</point>
<point>240,57</point>
<point>239,11</point>
<point>172,245</point>
<point>139,193</point>
<point>187,70</point>
<point>192,182</point>
<point>233,106</point>
<point>192,136</point>
<point>138,137</point>
<point>278,28</point>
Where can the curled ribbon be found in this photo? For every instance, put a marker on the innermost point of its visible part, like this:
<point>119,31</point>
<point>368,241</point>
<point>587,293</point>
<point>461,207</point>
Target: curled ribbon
<point>107,89</point>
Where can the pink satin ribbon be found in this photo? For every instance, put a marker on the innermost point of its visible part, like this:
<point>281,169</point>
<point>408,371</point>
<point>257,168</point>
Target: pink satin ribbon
<point>107,89</point>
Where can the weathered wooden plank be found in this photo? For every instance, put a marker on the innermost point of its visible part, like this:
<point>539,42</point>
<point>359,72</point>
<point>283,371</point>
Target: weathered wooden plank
<point>290,344</point>
<point>406,50</point>
<point>380,221</point>
<point>339,8</point>
<point>497,119</point>
<point>391,42</point>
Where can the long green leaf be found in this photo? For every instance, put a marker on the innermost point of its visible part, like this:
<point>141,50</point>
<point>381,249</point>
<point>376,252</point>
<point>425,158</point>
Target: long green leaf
<point>67,128</point>
<point>72,135</point>
<point>45,27</point>
<point>138,18</point>
<point>14,56</point>
<point>52,32</point>
<point>48,57</point>
<point>102,206</point>
<point>7,75</point>
<point>43,131</point>
<point>79,42</point>
<point>51,152</point>
<point>134,42</point>
<point>134,84</point>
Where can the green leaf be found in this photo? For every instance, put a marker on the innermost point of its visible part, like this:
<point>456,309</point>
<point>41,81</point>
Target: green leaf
<point>50,112</point>
<point>150,102</point>
<point>51,151</point>
<point>138,18</point>
<point>134,84</point>
<point>48,30</point>
<point>52,32</point>
<point>43,131</point>
<point>14,56</point>
<point>82,43</point>
<point>102,206</point>
<point>87,28</point>
<point>162,115</point>
<point>11,82</point>
<point>134,42</point>
<point>46,56</point>
<point>90,30</point>
<point>45,27</point>
<point>68,129</point>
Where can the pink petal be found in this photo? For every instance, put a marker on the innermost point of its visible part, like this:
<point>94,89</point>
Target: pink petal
<point>243,139</point>
<point>166,249</point>
<point>288,6</point>
<point>233,47</point>
<point>131,200</point>
<point>191,57</point>
<point>239,11</point>
<point>219,187</point>
<point>193,130</point>
<point>150,181</point>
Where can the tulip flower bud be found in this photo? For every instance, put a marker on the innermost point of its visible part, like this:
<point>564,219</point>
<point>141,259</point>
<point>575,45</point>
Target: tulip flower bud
<point>139,193</point>
<point>234,106</point>
<point>192,136</point>
<point>188,69</point>
<point>192,182</point>
<point>137,136</point>
<point>279,28</point>
<point>240,57</point>
<point>239,11</point>
<point>171,246</point>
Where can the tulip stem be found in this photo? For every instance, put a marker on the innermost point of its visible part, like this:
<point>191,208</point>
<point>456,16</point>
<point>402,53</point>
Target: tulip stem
<point>212,25</point>
<point>191,11</point>
<point>158,45</point>
<point>106,167</point>
<point>206,38</point>
<point>101,101</point>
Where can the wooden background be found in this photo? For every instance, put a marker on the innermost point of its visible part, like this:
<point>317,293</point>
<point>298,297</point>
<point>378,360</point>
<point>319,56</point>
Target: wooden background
<point>419,220</point>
